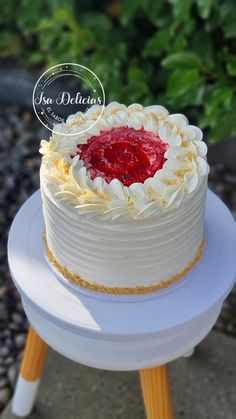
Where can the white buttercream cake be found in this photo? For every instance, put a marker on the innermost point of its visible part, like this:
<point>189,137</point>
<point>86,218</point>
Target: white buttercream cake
<point>123,201</point>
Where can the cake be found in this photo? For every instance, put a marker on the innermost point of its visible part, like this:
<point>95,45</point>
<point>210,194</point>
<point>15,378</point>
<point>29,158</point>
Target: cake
<point>124,201</point>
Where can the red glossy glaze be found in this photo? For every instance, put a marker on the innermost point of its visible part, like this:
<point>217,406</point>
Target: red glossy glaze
<point>123,153</point>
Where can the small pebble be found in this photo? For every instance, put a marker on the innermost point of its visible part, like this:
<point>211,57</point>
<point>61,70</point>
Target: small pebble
<point>17,318</point>
<point>12,373</point>
<point>3,290</point>
<point>230,327</point>
<point>8,133</point>
<point>6,333</point>
<point>9,360</point>
<point>4,351</point>
<point>2,370</point>
<point>13,326</point>
<point>20,340</point>
<point>20,355</point>
<point>27,116</point>
<point>4,395</point>
<point>3,382</point>
<point>226,315</point>
<point>19,306</point>
<point>8,342</point>
<point>3,312</point>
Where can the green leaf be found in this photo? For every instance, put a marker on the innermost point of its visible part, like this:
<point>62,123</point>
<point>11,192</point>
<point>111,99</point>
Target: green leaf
<point>9,44</point>
<point>181,81</point>
<point>179,43</point>
<point>209,118</point>
<point>222,95</point>
<point>35,57</point>
<point>224,129</point>
<point>231,65</point>
<point>189,27</point>
<point>230,30</point>
<point>7,15</point>
<point>192,97</point>
<point>218,103</point>
<point>99,26</point>
<point>205,7</point>
<point>137,76</point>
<point>62,48</point>
<point>130,9</point>
<point>29,16</point>
<point>157,44</point>
<point>181,60</point>
<point>226,9</point>
<point>227,15</point>
<point>45,24</point>
<point>64,16</point>
<point>181,8</point>
<point>97,22</point>
<point>218,100</point>
<point>153,9</point>
<point>82,40</point>
<point>202,46</point>
<point>137,80</point>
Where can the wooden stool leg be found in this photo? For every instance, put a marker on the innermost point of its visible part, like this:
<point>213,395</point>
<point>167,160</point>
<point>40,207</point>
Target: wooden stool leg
<point>156,393</point>
<point>30,373</point>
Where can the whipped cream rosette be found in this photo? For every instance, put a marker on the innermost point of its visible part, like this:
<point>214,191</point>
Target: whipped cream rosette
<point>124,200</point>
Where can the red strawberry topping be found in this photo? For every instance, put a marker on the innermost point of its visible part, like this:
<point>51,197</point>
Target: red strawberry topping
<point>123,153</point>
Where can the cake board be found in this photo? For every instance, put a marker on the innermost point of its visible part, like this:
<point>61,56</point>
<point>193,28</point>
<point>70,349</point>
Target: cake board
<point>122,332</point>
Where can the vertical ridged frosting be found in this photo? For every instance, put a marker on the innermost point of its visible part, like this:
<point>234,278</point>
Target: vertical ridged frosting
<point>125,254</point>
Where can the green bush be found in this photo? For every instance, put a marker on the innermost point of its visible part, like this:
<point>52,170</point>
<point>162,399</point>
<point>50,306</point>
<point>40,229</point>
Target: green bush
<point>180,53</point>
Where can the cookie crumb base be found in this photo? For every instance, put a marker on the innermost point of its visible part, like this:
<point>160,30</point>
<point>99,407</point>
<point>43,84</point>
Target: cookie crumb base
<point>76,279</point>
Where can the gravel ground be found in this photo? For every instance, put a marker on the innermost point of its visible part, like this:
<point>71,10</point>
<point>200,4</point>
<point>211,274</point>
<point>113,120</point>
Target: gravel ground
<point>20,135</point>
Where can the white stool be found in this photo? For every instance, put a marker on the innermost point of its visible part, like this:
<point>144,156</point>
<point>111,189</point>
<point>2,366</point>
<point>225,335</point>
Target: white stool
<point>137,332</point>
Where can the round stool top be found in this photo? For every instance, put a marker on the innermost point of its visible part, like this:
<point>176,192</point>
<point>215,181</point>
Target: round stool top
<point>100,315</point>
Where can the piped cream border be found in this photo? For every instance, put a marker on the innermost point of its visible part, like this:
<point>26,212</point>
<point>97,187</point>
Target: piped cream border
<point>68,180</point>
